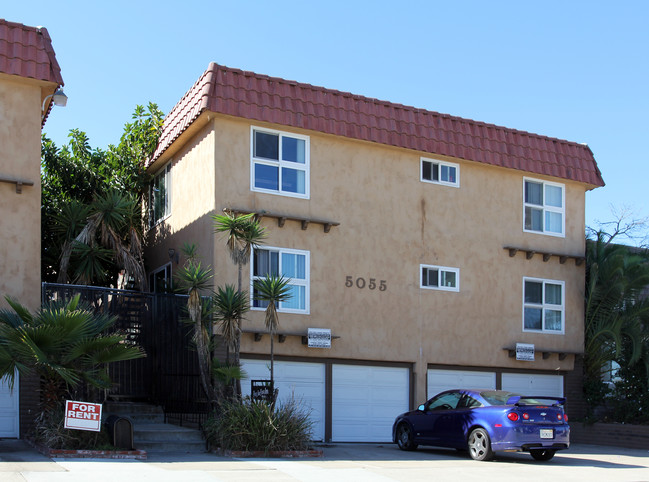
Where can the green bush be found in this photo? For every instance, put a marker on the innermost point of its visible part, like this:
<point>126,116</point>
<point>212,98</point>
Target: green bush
<point>257,426</point>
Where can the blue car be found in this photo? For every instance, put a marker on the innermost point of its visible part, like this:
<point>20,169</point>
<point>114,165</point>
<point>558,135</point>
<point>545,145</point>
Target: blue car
<point>486,421</point>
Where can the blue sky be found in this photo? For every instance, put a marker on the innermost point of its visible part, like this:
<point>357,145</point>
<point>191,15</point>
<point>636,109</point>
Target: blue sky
<point>575,70</point>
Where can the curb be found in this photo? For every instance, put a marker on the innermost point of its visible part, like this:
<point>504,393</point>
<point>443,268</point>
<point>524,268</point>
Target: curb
<point>90,454</point>
<point>273,454</point>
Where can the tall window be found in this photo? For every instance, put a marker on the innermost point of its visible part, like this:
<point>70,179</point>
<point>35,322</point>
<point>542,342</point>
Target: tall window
<point>543,305</point>
<point>440,172</point>
<point>160,279</point>
<point>440,278</point>
<point>544,207</point>
<point>290,263</point>
<point>280,163</point>
<point>159,196</point>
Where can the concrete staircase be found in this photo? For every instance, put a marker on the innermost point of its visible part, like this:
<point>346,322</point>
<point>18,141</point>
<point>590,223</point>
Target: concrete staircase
<point>150,433</point>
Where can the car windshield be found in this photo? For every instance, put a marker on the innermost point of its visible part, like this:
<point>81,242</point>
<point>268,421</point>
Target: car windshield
<point>497,397</point>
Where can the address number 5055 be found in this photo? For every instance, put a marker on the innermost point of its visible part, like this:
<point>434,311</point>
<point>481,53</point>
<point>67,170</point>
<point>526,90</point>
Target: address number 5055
<point>362,283</point>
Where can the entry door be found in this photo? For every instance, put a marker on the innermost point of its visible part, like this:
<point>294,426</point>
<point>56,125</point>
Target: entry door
<point>8,409</point>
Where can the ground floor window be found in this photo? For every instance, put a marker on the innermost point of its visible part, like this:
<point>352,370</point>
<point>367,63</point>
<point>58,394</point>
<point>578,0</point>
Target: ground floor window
<point>160,279</point>
<point>292,264</point>
<point>543,305</point>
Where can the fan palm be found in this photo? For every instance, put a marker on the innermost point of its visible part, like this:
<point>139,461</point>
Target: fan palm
<point>272,289</point>
<point>110,233</point>
<point>63,344</point>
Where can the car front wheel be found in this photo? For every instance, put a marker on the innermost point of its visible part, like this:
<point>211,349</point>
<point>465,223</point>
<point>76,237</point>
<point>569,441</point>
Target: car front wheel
<point>480,445</point>
<point>405,439</point>
<point>542,455</point>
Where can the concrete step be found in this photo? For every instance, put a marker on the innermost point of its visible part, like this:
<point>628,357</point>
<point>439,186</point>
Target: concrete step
<point>134,411</point>
<point>165,437</point>
<point>171,447</point>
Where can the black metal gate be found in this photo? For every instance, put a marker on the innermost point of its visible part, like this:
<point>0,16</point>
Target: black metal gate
<point>169,375</point>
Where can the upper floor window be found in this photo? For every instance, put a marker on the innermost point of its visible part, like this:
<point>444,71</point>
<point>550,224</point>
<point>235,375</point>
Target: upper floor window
<point>440,278</point>
<point>290,263</point>
<point>159,196</point>
<point>544,207</point>
<point>280,163</point>
<point>440,172</point>
<point>543,305</point>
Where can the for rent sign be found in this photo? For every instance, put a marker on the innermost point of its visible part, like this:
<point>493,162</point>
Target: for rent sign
<point>83,416</point>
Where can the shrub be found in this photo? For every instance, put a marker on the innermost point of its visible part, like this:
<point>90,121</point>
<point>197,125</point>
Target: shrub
<point>50,431</point>
<point>257,426</point>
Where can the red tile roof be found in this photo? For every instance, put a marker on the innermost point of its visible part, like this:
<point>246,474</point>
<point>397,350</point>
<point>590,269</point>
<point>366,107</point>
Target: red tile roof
<point>28,52</point>
<point>262,98</point>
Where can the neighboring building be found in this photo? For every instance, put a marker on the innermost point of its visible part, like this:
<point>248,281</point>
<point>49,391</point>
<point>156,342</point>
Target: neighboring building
<point>428,244</point>
<point>29,76</point>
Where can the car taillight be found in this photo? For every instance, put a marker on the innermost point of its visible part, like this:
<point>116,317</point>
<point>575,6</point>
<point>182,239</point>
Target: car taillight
<point>526,416</point>
<point>513,416</point>
<point>565,417</point>
<point>559,417</point>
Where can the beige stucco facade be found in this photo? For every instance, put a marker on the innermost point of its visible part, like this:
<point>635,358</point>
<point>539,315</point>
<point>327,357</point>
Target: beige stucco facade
<point>390,223</point>
<point>20,205</point>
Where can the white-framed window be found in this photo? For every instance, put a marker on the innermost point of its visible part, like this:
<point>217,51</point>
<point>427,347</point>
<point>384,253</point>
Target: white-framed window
<point>440,172</point>
<point>439,278</point>
<point>160,279</point>
<point>279,163</point>
<point>544,207</point>
<point>160,196</point>
<point>543,305</point>
<point>293,264</point>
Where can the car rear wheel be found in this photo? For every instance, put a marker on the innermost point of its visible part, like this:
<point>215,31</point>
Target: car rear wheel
<point>543,454</point>
<point>405,439</point>
<point>480,445</point>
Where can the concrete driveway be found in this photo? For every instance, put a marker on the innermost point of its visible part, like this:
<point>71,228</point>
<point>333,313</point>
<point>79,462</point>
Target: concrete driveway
<point>341,463</point>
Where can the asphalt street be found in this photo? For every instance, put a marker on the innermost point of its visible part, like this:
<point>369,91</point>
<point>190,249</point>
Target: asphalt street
<point>340,463</point>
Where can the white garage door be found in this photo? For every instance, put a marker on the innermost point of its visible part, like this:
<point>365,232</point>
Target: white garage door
<point>8,409</point>
<point>440,380</point>
<point>303,381</point>
<point>527,384</point>
<point>366,400</point>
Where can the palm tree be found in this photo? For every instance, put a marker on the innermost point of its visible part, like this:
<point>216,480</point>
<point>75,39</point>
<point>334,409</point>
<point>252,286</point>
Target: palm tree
<point>194,278</point>
<point>229,307</point>
<point>110,233</point>
<point>272,289</point>
<point>63,344</point>
<point>615,311</point>
<point>244,233</point>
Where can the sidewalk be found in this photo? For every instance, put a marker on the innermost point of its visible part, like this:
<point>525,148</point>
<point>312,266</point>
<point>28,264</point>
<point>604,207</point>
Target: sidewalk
<point>341,462</point>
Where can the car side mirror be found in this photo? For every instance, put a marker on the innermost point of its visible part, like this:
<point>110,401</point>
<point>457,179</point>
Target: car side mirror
<point>421,408</point>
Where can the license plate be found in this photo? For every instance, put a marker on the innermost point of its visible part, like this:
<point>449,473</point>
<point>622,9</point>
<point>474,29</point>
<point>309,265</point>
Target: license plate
<point>547,433</point>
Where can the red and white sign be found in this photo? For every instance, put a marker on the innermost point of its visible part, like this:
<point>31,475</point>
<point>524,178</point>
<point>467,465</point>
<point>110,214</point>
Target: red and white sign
<point>83,415</point>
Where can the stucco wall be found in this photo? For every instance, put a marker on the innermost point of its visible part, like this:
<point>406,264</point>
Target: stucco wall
<point>20,240</point>
<point>390,223</point>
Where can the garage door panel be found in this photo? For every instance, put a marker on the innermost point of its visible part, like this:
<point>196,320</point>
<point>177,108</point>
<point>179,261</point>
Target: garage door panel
<point>366,400</point>
<point>441,380</point>
<point>531,384</point>
<point>303,382</point>
<point>8,409</point>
